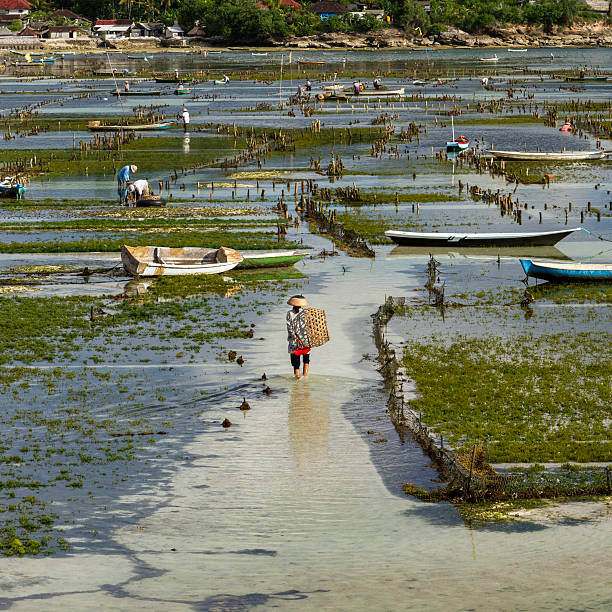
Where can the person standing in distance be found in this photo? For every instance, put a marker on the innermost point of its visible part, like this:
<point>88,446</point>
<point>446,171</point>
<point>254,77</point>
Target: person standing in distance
<point>123,178</point>
<point>186,119</point>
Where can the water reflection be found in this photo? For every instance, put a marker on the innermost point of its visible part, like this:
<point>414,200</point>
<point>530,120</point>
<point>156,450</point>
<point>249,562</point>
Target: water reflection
<point>309,420</point>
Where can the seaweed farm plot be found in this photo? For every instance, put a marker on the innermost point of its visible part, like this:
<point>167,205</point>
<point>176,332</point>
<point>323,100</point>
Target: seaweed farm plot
<point>531,383</point>
<point>104,397</point>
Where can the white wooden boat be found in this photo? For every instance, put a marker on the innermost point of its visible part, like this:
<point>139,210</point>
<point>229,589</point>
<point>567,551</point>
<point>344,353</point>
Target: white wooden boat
<point>334,87</point>
<point>463,239</point>
<point>540,156</point>
<point>517,50</point>
<point>164,261</point>
<point>381,93</point>
<point>98,126</point>
<point>489,59</point>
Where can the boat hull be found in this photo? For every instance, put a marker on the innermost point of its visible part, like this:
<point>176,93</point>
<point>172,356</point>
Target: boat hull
<point>282,259</point>
<point>478,240</point>
<point>136,93</point>
<point>538,156</point>
<point>556,271</point>
<point>13,191</point>
<point>165,261</point>
<point>129,128</point>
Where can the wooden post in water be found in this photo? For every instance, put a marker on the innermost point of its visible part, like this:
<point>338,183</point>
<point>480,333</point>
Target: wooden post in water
<point>469,482</point>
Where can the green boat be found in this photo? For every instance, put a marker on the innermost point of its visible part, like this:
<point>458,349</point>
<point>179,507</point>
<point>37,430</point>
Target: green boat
<point>181,91</point>
<point>271,259</point>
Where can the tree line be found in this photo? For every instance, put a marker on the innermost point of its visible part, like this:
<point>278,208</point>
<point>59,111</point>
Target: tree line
<point>262,20</point>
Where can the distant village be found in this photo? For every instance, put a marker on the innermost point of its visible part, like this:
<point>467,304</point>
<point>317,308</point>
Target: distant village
<point>19,31</point>
<point>66,25</point>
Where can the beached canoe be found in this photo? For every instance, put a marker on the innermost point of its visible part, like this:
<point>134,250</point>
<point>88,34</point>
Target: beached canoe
<point>271,259</point>
<point>330,96</point>
<point>164,261</point>
<point>462,239</point>
<point>96,126</point>
<point>539,156</point>
<point>562,271</point>
<point>381,93</point>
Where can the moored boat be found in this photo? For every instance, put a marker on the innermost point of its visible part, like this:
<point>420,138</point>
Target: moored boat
<point>562,271</point>
<point>463,239</point>
<point>381,93</point>
<point>11,188</point>
<point>174,80</point>
<point>116,92</point>
<point>460,143</point>
<point>97,126</point>
<point>165,261</point>
<point>540,156</point>
<point>271,259</point>
<point>489,59</point>
<point>181,91</point>
<point>331,96</point>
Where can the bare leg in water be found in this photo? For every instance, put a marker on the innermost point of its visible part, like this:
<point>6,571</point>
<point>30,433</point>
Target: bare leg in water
<point>306,366</point>
<point>296,373</point>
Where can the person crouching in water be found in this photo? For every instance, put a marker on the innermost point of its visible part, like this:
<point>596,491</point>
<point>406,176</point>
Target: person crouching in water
<point>296,335</point>
<point>138,189</point>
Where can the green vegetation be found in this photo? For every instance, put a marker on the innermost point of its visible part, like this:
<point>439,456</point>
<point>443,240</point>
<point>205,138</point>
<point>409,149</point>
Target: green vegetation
<point>69,433</point>
<point>526,395</point>
<point>210,239</point>
<point>539,394</point>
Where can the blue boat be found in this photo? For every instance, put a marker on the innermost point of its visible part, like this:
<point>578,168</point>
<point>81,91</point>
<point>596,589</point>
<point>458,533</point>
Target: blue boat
<point>10,189</point>
<point>563,271</point>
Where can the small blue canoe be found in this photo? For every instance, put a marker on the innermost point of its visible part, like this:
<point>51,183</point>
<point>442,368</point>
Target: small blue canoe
<point>10,189</point>
<point>563,271</point>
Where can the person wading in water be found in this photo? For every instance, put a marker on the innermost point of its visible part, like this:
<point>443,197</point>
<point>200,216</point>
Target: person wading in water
<point>296,335</point>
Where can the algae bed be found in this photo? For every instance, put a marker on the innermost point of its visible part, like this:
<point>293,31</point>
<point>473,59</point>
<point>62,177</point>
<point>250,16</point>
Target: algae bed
<point>93,397</point>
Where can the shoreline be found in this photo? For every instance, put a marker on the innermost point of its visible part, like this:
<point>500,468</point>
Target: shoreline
<point>578,36</point>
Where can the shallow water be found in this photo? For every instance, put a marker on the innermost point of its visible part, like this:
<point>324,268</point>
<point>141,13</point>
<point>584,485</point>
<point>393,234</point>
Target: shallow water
<point>299,504</point>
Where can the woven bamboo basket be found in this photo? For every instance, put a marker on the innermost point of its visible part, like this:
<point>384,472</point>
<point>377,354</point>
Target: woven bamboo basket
<point>316,326</point>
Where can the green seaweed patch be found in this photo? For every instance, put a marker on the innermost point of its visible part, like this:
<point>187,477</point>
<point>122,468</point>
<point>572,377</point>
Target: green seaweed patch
<point>534,399</point>
<point>209,239</point>
<point>573,293</point>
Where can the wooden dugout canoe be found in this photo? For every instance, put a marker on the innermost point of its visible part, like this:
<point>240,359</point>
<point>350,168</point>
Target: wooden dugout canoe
<point>563,271</point>
<point>96,126</point>
<point>462,239</point>
<point>271,259</point>
<point>160,261</point>
<point>540,156</point>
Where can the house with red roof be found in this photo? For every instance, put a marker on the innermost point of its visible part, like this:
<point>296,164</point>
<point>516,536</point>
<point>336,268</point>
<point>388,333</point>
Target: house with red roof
<point>16,9</point>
